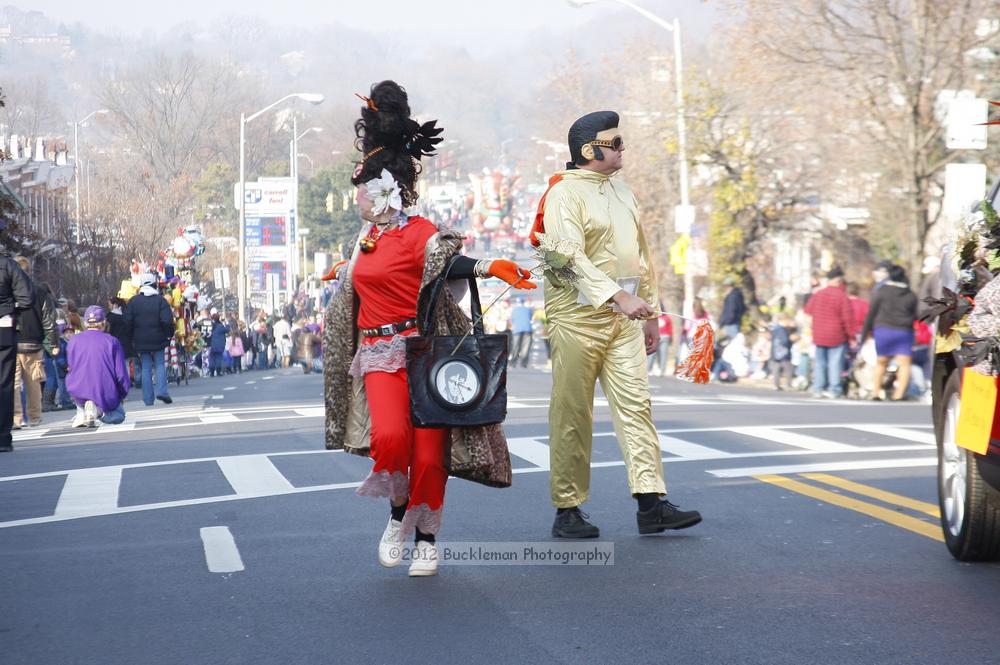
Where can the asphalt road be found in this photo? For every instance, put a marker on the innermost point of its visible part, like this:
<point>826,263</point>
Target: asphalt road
<point>218,530</point>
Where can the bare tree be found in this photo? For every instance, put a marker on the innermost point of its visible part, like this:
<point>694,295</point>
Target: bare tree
<point>755,169</point>
<point>30,109</point>
<point>130,219</point>
<point>169,110</point>
<point>887,60</point>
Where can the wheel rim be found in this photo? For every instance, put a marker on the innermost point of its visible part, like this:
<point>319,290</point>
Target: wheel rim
<point>953,470</point>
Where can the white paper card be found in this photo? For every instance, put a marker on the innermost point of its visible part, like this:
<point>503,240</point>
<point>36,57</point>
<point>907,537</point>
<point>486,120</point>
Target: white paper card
<point>630,285</point>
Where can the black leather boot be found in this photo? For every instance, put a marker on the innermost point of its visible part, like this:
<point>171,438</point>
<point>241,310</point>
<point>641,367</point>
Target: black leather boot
<point>572,523</point>
<point>49,401</point>
<point>665,515</point>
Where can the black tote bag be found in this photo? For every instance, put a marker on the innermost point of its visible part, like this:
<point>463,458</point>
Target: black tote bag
<point>463,387</point>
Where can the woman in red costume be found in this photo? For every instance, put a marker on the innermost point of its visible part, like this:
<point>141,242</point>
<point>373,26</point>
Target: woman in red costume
<point>397,256</point>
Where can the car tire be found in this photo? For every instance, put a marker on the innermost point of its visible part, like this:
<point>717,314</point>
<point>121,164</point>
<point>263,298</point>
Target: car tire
<point>970,510</point>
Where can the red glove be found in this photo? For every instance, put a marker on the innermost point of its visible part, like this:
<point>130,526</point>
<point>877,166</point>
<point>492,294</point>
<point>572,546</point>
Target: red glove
<point>511,273</point>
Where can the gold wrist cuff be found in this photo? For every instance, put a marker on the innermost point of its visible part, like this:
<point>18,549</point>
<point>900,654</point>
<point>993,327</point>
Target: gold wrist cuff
<point>482,269</point>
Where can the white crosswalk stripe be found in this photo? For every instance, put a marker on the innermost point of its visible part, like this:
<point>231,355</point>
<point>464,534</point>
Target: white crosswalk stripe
<point>907,434</point>
<point>221,553</point>
<point>791,438</point>
<point>530,450</point>
<point>253,475</point>
<point>686,449</point>
<point>95,491</point>
<point>89,492</point>
<point>904,462</point>
<point>139,418</point>
<point>216,418</point>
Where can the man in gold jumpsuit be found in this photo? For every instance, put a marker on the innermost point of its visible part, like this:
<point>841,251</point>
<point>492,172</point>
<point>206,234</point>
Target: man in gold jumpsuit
<point>596,331</point>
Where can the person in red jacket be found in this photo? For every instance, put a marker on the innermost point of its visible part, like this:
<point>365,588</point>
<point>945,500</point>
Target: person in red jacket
<point>384,289</point>
<point>833,328</point>
<point>858,304</point>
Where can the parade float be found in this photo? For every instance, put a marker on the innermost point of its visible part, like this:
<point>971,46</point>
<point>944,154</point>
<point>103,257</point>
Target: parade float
<point>964,388</point>
<point>176,278</point>
<point>493,199</point>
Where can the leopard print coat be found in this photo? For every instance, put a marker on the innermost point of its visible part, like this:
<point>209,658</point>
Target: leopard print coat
<point>478,454</point>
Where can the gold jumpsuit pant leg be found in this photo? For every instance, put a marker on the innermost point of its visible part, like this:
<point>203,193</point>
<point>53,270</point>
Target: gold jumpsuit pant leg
<point>625,381</point>
<point>613,351</point>
<point>577,358</point>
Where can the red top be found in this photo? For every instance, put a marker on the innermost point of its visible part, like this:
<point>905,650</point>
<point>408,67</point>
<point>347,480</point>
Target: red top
<point>860,308</point>
<point>666,326</point>
<point>387,280</point>
<point>833,320</point>
<point>922,333</point>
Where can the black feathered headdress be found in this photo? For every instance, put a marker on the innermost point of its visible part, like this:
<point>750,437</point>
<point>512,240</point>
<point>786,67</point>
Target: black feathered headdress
<point>390,139</point>
<point>422,138</point>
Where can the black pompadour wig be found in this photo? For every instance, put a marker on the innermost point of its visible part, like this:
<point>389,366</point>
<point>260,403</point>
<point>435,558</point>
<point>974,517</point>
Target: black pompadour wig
<point>584,130</point>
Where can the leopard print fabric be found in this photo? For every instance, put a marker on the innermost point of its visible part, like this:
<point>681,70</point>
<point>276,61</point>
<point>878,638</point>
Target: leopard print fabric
<point>984,320</point>
<point>478,454</point>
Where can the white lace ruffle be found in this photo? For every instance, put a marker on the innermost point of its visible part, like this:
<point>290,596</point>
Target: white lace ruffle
<point>423,518</point>
<point>382,356</point>
<point>383,484</point>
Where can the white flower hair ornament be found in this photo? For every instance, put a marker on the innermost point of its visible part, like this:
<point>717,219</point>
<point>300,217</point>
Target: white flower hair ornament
<point>384,193</point>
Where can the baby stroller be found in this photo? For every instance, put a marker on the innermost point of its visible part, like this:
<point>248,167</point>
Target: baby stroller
<point>850,379</point>
<point>860,375</point>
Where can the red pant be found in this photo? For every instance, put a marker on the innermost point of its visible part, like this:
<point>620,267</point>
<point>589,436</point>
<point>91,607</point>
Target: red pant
<point>399,447</point>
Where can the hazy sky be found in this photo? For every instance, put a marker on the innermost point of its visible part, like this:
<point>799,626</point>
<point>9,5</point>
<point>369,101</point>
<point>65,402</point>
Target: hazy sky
<point>375,15</point>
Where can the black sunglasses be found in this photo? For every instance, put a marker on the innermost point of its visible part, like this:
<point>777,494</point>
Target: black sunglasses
<point>615,144</point>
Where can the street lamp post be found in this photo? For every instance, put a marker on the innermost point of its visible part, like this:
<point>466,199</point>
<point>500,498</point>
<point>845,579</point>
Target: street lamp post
<point>312,98</point>
<point>305,257</point>
<point>312,164</point>
<point>76,162</point>
<point>683,213</point>
<point>294,147</point>
<point>503,151</point>
<point>293,160</point>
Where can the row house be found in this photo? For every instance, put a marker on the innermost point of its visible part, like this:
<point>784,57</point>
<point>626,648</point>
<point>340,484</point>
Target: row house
<point>41,178</point>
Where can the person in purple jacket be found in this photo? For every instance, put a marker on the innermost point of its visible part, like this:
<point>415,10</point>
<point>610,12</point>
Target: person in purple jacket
<point>98,379</point>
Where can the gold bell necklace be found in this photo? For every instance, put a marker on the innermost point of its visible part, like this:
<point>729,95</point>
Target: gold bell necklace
<point>367,243</point>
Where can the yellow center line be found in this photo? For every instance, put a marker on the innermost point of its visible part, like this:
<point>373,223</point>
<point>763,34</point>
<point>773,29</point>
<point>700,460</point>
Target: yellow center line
<point>875,493</point>
<point>916,525</point>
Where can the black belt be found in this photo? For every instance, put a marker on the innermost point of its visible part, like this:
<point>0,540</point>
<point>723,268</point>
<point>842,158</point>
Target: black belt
<point>389,329</point>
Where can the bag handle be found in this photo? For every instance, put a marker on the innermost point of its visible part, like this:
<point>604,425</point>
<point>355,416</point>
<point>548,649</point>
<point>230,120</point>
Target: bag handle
<point>440,283</point>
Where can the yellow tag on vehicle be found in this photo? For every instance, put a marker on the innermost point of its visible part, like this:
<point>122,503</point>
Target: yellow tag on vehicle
<point>975,419</point>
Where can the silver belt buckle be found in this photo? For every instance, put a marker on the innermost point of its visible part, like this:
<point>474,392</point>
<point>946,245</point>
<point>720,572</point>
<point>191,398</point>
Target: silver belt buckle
<point>386,329</point>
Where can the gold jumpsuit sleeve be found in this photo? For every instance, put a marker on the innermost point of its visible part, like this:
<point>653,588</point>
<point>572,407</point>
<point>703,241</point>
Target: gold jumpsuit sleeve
<point>565,219</point>
<point>648,290</point>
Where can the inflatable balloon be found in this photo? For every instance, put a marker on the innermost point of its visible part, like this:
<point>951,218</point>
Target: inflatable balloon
<point>182,247</point>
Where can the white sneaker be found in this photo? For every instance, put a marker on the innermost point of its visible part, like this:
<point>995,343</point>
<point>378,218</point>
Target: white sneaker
<point>92,413</point>
<point>80,420</point>
<point>425,559</point>
<point>390,548</point>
